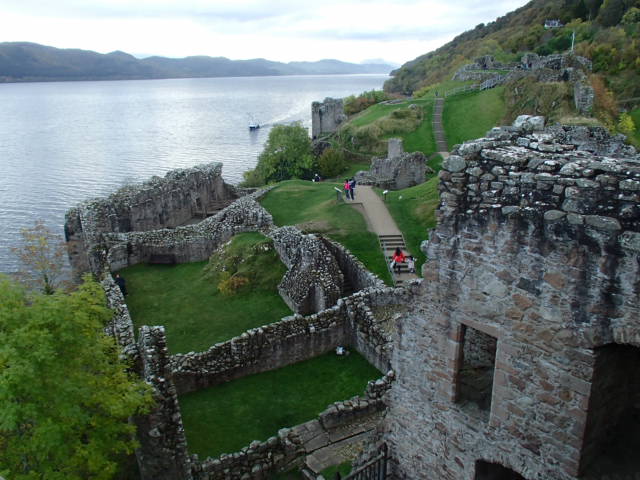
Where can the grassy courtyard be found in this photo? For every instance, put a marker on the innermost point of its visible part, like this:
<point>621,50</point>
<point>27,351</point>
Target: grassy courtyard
<point>227,417</point>
<point>194,313</point>
<point>313,207</point>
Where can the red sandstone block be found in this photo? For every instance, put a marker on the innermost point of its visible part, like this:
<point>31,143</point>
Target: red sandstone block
<point>556,280</point>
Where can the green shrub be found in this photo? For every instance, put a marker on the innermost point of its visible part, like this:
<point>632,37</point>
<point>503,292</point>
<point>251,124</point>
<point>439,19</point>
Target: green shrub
<point>331,163</point>
<point>229,285</point>
<point>252,178</point>
<point>353,104</point>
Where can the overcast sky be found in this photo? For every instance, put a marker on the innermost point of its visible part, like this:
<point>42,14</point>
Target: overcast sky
<point>282,30</point>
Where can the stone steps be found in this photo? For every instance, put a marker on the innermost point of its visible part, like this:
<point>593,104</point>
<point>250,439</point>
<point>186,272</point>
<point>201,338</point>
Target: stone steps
<point>389,243</point>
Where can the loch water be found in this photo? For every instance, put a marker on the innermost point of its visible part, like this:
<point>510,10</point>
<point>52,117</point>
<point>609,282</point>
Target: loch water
<point>65,142</point>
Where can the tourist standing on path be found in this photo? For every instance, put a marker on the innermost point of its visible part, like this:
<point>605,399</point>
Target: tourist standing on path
<point>347,188</point>
<point>352,188</point>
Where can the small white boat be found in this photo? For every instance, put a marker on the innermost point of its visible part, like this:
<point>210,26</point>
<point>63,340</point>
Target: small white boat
<point>253,125</point>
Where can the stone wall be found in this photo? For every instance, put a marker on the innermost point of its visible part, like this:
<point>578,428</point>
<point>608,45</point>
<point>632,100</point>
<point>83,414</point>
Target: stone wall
<point>350,323</point>
<point>163,452</point>
<point>313,280</point>
<point>189,243</point>
<point>326,117</point>
<point>269,347</point>
<point>159,203</point>
<point>537,246</point>
<point>352,269</point>
<point>120,326</point>
<point>397,171</point>
<point>163,446</point>
<point>565,67</point>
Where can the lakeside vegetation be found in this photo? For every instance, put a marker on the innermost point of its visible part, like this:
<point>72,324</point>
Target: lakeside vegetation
<point>185,298</point>
<point>227,417</point>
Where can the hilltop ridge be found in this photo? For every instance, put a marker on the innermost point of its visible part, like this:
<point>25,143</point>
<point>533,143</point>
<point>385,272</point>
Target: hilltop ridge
<point>608,33</point>
<point>24,62</point>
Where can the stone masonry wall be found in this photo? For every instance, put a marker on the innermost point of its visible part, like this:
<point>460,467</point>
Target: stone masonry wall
<point>349,323</point>
<point>537,245</point>
<point>352,268</point>
<point>189,243</point>
<point>269,347</point>
<point>159,203</point>
<point>313,280</point>
<point>163,446</point>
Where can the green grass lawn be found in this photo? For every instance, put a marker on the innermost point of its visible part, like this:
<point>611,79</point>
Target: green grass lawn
<point>380,110</point>
<point>193,312</point>
<point>472,115</point>
<point>313,207</point>
<point>422,139</point>
<point>227,417</point>
<point>413,209</point>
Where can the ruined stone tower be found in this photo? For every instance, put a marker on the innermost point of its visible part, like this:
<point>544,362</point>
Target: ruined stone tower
<point>326,116</point>
<point>521,358</point>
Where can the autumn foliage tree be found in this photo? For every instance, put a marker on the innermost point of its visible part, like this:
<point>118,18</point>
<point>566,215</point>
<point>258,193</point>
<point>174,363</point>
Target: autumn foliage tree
<point>41,255</point>
<point>65,393</point>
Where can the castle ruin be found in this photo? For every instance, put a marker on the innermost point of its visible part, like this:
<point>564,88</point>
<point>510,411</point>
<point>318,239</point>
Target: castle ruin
<point>326,117</point>
<point>516,357</point>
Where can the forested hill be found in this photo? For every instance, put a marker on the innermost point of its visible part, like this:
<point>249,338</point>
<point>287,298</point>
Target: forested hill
<point>22,61</point>
<point>607,32</point>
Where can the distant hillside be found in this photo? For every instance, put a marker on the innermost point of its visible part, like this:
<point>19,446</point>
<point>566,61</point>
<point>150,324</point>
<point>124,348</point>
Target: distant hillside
<point>24,62</point>
<point>607,32</point>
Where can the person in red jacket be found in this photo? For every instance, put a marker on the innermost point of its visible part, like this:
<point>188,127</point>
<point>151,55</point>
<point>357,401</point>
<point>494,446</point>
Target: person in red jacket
<point>397,258</point>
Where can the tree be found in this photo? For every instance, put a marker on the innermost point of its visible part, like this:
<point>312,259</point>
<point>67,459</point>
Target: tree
<point>331,163</point>
<point>287,154</point>
<point>42,257</point>
<point>626,124</point>
<point>611,12</point>
<point>65,393</point>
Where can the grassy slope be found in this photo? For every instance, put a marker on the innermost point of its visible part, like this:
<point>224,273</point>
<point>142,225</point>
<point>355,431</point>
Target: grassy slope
<point>229,416</point>
<point>419,140</point>
<point>471,115</point>
<point>314,208</point>
<point>193,312</point>
<point>413,209</point>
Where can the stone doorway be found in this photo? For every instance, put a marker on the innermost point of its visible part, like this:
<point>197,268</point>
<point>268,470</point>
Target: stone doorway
<point>477,365</point>
<point>495,471</point>
<point>612,435</point>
